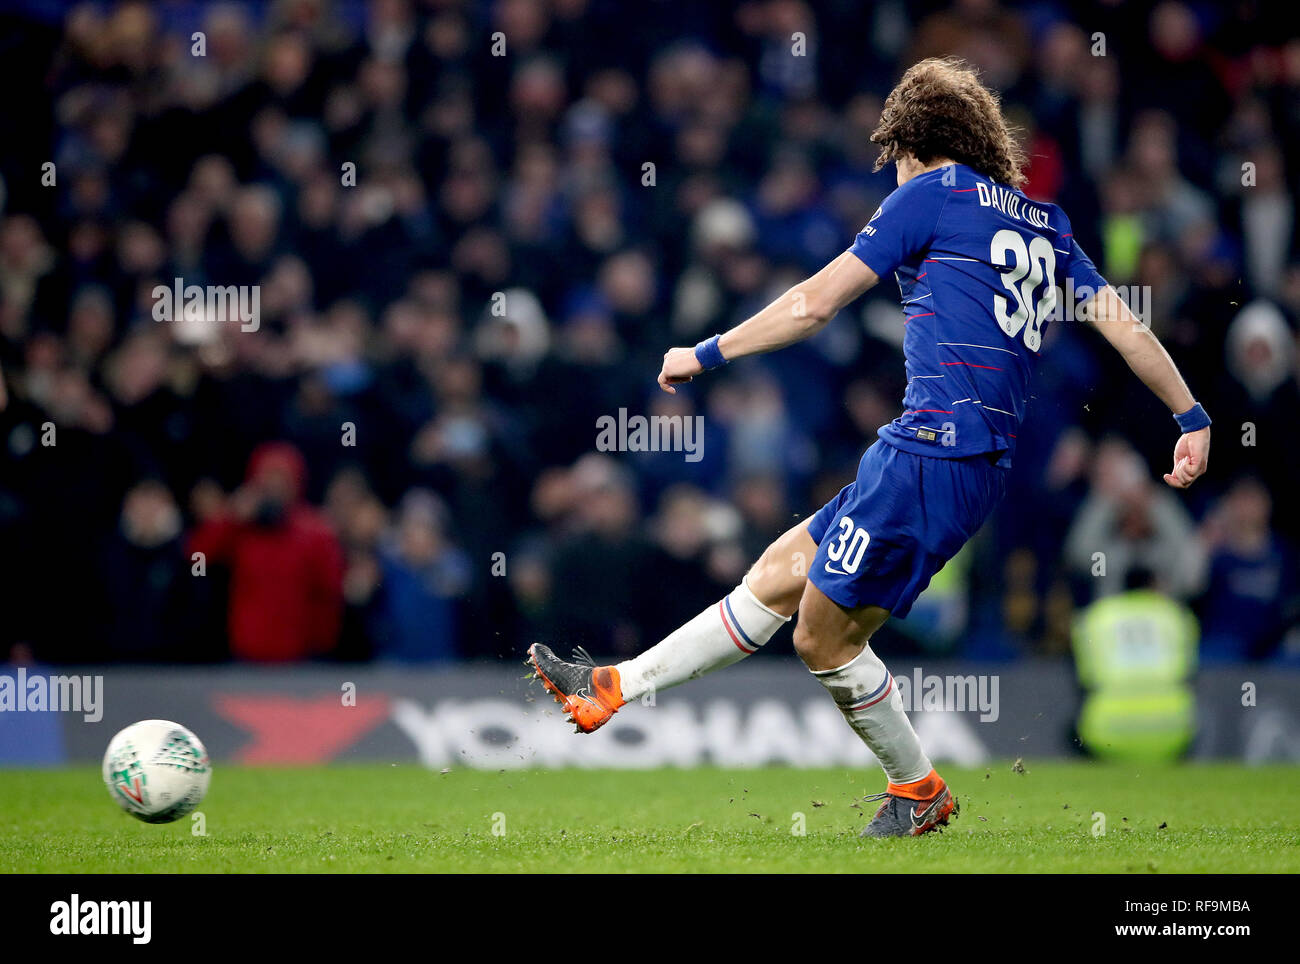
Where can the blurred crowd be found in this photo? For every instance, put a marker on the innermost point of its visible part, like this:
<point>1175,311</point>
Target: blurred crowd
<point>476,227</point>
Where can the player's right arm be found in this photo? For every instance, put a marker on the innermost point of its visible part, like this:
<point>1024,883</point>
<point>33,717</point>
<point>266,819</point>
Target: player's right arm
<point>798,314</point>
<point>902,226</point>
<point>1151,363</point>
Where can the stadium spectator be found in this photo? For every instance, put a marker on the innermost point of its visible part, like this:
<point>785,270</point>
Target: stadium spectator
<point>286,569</point>
<point>1252,595</point>
<point>422,576</point>
<point>146,592</point>
<point>1127,522</point>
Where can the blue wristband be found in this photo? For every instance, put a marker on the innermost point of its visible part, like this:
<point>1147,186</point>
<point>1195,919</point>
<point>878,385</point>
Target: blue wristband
<point>1192,420</point>
<point>709,355</point>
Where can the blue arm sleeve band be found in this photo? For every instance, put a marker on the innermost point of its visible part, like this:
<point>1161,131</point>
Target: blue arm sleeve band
<point>1191,420</point>
<point>709,355</point>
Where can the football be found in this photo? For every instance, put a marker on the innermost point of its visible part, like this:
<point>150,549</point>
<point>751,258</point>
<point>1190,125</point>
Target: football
<point>156,770</point>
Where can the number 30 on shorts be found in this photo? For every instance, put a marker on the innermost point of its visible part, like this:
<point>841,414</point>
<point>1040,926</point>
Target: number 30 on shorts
<point>850,546</point>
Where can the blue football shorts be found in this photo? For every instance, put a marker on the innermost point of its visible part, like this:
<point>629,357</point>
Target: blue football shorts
<point>881,540</point>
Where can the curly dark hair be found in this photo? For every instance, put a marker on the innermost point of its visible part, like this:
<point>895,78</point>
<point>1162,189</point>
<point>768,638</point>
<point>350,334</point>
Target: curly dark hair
<point>940,109</point>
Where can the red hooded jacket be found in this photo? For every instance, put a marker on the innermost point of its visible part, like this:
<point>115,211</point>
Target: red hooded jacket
<point>286,580</point>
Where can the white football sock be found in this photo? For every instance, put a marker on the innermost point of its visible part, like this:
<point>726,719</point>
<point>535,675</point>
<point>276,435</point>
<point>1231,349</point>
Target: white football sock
<point>721,635</point>
<point>865,692</point>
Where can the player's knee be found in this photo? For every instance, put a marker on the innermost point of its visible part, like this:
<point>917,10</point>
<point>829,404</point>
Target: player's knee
<point>772,585</point>
<point>806,644</point>
<point>763,577</point>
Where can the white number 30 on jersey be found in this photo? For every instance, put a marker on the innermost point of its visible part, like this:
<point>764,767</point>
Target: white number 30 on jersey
<point>849,548</point>
<point>1029,267</point>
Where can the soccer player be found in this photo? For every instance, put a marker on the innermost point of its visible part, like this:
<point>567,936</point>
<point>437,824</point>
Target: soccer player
<point>978,265</point>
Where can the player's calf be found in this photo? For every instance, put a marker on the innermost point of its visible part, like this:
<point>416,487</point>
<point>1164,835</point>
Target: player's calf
<point>737,626</point>
<point>831,639</point>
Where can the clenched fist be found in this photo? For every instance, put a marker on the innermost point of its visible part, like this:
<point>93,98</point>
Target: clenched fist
<point>680,365</point>
<point>1191,458</point>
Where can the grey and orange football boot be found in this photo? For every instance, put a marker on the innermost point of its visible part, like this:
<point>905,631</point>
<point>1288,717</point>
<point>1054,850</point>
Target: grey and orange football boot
<point>912,809</point>
<point>589,694</point>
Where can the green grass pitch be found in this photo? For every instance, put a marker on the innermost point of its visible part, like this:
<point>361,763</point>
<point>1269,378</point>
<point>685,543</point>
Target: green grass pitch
<point>343,819</point>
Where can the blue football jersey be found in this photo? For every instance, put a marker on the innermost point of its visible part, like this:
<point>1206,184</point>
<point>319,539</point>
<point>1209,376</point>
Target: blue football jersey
<point>978,265</point>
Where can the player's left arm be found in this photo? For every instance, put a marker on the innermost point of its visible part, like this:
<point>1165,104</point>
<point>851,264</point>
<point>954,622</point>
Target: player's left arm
<point>798,314</point>
<point>1151,363</point>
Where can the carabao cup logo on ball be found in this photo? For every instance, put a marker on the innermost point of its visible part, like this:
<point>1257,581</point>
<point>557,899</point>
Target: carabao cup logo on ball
<point>156,770</point>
